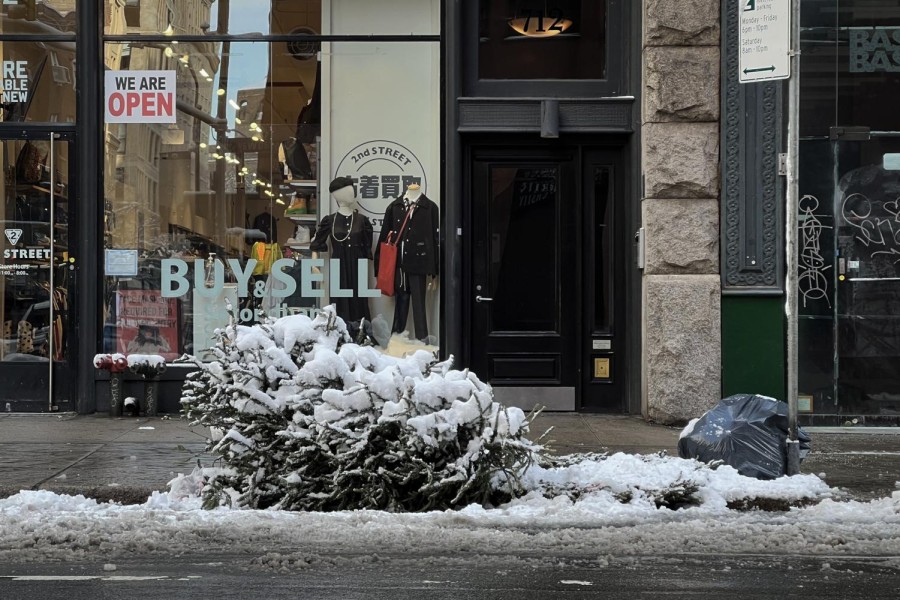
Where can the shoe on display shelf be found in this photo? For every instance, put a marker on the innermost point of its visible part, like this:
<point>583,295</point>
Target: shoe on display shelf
<point>301,238</point>
<point>299,206</point>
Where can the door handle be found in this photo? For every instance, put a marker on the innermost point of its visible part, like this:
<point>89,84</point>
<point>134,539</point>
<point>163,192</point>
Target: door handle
<point>483,299</point>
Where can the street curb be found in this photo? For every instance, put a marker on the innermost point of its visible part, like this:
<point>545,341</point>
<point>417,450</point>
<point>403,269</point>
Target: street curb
<point>119,494</point>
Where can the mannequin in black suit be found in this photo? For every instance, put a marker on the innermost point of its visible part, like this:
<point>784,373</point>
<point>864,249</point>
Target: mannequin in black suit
<point>418,257</point>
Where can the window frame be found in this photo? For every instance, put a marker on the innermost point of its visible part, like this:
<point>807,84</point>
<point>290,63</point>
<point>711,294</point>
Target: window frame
<point>618,36</point>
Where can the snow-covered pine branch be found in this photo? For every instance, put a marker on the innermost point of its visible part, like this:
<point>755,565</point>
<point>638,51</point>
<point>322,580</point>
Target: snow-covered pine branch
<point>312,421</point>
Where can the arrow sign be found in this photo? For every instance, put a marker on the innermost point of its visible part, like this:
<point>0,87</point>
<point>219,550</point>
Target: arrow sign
<point>769,68</point>
<point>764,39</point>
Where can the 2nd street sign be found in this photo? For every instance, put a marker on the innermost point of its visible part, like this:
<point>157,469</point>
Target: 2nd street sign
<point>765,40</point>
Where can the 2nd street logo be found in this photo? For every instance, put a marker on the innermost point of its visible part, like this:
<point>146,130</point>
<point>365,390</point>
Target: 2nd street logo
<point>13,235</point>
<point>381,170</point>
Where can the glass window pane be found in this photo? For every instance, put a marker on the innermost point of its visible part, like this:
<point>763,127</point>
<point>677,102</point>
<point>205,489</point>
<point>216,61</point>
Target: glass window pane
<point>867,73</point>
<point>240,175</point>
<point>38,81</point>
<point>31,330</point>
<point>347,17</point>
<point>38,17</point>
<point>533,39</point>
<point>524,248</point>
<point>603,247</point>
<point>817,80</point>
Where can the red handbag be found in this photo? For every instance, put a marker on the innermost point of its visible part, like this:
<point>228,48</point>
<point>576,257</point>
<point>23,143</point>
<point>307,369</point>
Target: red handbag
<point>387,259</point>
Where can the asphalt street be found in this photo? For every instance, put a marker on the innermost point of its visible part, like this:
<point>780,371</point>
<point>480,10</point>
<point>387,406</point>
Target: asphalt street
<point>272,576</point>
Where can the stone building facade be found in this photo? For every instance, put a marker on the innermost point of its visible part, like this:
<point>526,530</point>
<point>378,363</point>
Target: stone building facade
<point>682,341</point>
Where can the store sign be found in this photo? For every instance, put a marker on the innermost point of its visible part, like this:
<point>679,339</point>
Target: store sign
<point>875,49</point>
<point>13,235</point>
<point>209,284</point>
<point>381,170</point>
<point>15,81</point>
<point>17,254</point>
<point>140,97</point>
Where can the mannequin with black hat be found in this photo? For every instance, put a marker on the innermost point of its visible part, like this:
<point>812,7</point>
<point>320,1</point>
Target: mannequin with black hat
<point>347,235</point>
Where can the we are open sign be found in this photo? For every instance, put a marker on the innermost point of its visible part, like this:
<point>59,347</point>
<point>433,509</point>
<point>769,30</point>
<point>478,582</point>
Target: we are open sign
<point>140,96</point>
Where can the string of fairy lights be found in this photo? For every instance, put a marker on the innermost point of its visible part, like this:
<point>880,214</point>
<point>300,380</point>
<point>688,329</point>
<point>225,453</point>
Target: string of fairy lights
<point>255,130</point>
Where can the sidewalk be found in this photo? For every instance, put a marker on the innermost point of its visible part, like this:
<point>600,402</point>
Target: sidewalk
<point>126,458</point>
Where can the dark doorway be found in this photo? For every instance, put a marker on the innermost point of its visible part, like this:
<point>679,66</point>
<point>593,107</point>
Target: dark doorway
<point>37,274</point>
<point>546,303</point>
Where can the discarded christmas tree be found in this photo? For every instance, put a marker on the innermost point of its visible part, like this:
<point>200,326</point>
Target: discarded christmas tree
<point>312,421</point>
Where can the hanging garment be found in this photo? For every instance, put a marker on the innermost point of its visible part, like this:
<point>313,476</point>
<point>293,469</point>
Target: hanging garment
<point>59,305</point>
<point>265,255</point>
<point>29,164</point>
<point>298,149</point>
<point>309,121</point>
<point>267,224</point>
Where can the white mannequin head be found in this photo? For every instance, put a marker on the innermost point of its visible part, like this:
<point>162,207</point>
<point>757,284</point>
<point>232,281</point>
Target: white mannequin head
<point>345,198</point>
<point>413,191</point>
<point>344,195</point>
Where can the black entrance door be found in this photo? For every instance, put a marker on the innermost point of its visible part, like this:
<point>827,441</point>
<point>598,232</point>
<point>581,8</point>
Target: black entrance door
<point>524,275</point>
<point>37,278</point>
<point>546,299</point>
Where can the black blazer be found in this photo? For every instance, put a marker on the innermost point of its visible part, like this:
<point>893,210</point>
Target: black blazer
<point>419,246</point>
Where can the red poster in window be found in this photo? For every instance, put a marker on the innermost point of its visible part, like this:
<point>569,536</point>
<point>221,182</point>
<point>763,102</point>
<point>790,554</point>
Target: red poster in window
<point>146,323</point>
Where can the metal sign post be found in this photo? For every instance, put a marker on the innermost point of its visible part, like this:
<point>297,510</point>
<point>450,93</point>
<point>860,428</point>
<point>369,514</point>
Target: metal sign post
<point>791,246</point>
<point>770,49</point>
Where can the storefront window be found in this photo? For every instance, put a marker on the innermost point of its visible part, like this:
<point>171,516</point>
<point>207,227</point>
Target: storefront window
<point>220,160</point>
<point>38,81</point>
<point>849,275</point>
<point>38,17</point>
<point>534,39</point>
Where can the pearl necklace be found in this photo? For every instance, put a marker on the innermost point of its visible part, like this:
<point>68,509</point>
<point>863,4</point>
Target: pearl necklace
<point>349,229</point>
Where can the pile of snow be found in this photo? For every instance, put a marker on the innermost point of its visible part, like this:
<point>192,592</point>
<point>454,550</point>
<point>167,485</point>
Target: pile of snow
<point>306,420</point>
<point>40,525</point>
<point>312,421</point>
<point>150,360</point>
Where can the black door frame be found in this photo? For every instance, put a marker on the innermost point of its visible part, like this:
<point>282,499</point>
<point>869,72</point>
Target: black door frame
<point>65,373</point>
<point>606,392</point>
<point>627,350</point>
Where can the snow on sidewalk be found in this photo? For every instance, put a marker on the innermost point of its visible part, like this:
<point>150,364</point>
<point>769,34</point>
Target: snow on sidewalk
<point>37,525</point>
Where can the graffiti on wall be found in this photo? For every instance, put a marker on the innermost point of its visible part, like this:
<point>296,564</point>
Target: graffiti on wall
<point>812,278</point>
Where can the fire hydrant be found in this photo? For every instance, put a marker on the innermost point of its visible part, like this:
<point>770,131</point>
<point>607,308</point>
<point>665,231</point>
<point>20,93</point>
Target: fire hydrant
<point>149,367</point>
<point>116,365</point>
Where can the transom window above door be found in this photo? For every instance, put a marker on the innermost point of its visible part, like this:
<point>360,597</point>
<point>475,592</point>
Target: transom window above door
<point>542,39</point>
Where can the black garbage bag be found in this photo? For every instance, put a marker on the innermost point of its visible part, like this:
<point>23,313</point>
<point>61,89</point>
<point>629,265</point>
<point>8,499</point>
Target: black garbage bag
<point>746,431</point>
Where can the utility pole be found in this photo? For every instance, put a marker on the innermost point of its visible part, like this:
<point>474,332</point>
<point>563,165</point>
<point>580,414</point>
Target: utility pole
<point>791,245</point>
